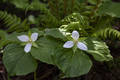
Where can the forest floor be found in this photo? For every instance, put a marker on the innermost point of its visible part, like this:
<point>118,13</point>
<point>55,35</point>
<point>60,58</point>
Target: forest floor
<point>99,71</point>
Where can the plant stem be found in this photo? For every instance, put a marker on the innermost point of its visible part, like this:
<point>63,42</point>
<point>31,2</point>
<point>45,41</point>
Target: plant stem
<point>86,2</point>
<point>8,77</point>
<point>35,78</point>
<point>51,6</point>
<point>57,9</point>
<point>96,8</point>
<point>72,7</point>
<point>65,7</point>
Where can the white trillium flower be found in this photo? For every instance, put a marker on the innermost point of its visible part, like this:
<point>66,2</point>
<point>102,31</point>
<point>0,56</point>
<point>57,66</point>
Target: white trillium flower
<point>70,44</point>
<point>29,40</point>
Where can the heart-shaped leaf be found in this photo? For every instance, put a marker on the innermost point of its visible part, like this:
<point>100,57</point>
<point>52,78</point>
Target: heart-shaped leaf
<point>56,33</point>
<point>51,51</point>
<point>73,64</point>
<point>45,50</point>
<point>17,62</point>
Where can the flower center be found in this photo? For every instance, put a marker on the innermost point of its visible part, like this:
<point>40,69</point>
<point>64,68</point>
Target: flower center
<point>30,41</point>
<point>75,41</point>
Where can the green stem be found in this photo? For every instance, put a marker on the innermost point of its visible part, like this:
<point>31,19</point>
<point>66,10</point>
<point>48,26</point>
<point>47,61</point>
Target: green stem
<point>50,5</point>
<point>35,78</point>
<point>8,77</point>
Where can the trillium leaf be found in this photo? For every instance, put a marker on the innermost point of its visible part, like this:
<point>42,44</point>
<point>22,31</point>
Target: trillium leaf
<point>17,62</point>
<point>46,49</point>
<point>73,64</point>
<point>41,33</point>
<point>98,49</point>
<point>56,33</point>
<point>13,37</point>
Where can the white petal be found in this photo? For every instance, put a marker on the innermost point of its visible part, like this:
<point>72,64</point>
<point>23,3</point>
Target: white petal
<point>23,38</point>
<point>68,44</point>
<point>34,36</point>
<point>82,46</point>
<point>75,35</point>
<point>27,47</point>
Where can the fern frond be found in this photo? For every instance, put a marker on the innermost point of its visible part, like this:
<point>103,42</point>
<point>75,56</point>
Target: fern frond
<point>12,22</point>
<point>45,18</point>
<point>78,22</point>
<point>108,33</point>
<point>74,17</point>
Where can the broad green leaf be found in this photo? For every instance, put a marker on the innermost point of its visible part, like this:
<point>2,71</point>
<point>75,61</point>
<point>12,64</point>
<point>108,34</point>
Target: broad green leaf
<point>20,3</point>
<point>81,1</point>
<point>110,8</point>
<point>40,32</point>
<point>2,38</point>
<point>52,52</point>
<point>93,1</point>
<point>13,37</point>
<point>8,38</point>
<point>73,64</point>
<point>98,49</point>
<point>56,33</point>
<point>46,49</point>
<point>28,5</point>
<point>37,5</point>
<point>17,62</point>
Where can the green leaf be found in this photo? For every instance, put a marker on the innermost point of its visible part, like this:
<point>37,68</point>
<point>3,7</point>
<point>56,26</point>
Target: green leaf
<point>92,1</point>
<point>98,49</point>
<point>51,51</point>
<point>13,37</point>
<point>110,8</point>
<point>20,3</point>
<point>81,1</point>
<point>17,62</point>
<point>46,49</point>
<point>8,38</point>
<point>37,5</point>
<point>40,32</point>
<point>73,64</point>
<point>56,33</point>
<point>2,38</point>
